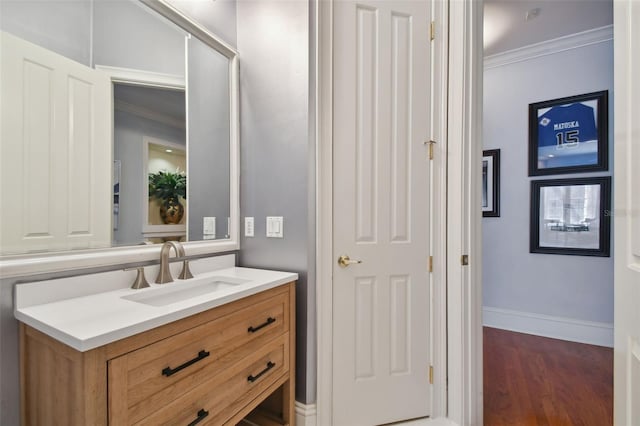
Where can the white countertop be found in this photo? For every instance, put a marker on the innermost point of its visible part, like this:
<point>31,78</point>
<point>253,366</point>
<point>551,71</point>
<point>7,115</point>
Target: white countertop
<point>92,320</point>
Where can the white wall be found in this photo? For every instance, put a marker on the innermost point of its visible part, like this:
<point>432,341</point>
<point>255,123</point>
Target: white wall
<point>567,297</point>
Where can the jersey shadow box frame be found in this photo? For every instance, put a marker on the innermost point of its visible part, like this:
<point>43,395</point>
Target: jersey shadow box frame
<point>569,135</point>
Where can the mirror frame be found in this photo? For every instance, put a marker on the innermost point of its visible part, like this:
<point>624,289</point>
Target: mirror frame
<point>54,262</point>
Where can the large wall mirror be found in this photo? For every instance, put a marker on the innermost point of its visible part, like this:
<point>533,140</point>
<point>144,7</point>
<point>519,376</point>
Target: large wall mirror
<point>123,133</point>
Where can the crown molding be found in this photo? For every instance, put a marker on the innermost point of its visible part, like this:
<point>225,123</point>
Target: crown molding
<point>550,47</point>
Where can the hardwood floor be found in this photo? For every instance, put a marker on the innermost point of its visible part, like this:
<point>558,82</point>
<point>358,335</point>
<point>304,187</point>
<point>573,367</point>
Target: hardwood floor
<point>531,380</point>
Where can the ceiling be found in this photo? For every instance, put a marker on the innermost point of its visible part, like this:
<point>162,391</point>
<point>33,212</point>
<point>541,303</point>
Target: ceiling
<point>166,103</point>
<point>506,26</point>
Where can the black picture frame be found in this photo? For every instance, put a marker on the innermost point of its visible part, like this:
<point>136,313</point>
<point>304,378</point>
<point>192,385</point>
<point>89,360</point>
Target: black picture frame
<point>562,132</point>
<point>491,183</point>
<point>576,218</point>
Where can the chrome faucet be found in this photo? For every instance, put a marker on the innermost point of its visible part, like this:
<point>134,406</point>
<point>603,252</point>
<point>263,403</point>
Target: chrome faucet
<point>164,275</point>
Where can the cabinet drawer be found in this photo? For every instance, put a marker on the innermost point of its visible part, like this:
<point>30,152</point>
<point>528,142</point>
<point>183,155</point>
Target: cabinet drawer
<point>148,379</point>
<point>216,400</point>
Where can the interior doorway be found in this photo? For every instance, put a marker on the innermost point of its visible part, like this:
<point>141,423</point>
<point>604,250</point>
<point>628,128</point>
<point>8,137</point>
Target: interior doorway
<point>562,298</point>
<point>381,210</point>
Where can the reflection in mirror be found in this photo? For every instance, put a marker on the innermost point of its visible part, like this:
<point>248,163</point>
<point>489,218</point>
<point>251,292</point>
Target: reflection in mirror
<point>209,148</point>
<point>166,182</point>
<point>167,189</point>
<point>148,121</point>
<point>110,44</point>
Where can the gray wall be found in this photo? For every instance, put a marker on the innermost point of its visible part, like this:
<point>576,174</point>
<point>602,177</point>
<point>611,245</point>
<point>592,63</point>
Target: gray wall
<point>124,33</point>
<point>127,34</point>
<point>575,287</point>
<point>208,155</point>
<point>276,180</point>
<point>128,133</point>
<point>62,27</point>
<point>217,16</point>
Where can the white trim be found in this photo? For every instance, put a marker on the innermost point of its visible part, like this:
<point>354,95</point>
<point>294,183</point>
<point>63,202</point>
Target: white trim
<point>549,47</point>
<point>306,414</point>
<point>438,232</point>
<point>464,226</point>
<point>593,333</point>
<point>626,63</point>
<point>143,78</point>
<point>324,209</point>
<point>192,27</point>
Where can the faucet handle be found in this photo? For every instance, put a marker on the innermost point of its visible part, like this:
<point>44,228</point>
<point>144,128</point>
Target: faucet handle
<point>141,280</point>
<point>185,274</point>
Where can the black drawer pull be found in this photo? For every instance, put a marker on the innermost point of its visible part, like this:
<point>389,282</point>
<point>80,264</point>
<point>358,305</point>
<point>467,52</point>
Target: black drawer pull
<point>253,329</point>
<point>270,365</point>
<point>201,415</point>
<point>170,372</point>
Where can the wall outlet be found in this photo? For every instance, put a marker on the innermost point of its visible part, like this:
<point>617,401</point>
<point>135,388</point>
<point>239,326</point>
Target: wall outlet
<point>248,227</point>
<point>275,226</point>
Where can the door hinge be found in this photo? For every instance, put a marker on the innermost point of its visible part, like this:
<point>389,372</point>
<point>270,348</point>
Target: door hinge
<point>430,263</point>
<point>431,374</point>
<point>430,143</point>
<point>432,30</point>
<point>464,260</point>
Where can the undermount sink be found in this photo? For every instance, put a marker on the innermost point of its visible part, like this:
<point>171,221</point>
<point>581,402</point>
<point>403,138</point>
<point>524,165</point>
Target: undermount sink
<point>178,291</point>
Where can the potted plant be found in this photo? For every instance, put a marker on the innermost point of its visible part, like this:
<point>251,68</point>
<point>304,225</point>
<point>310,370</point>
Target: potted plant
<point>167,188</point>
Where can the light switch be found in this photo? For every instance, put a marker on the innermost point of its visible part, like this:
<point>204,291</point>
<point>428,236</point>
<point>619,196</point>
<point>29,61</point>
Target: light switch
<point>248,227</point>
<point>275,226</point>
<point>208,228</point>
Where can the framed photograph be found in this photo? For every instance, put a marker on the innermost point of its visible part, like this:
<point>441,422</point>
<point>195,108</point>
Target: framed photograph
<point>491,183</point>
<point>571,216</point>
<point>569,135</point>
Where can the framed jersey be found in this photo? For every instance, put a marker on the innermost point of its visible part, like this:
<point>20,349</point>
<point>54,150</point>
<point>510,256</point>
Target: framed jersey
<point>569,135</point>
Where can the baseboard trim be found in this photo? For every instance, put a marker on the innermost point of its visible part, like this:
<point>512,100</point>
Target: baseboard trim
<point>306,414</point>
<point>594,333</point>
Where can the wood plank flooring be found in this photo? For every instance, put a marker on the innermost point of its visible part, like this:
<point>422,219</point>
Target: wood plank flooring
<point>535,381</point>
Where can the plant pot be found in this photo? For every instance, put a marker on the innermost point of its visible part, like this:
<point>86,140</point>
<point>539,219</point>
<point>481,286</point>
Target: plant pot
<point>171,211</point>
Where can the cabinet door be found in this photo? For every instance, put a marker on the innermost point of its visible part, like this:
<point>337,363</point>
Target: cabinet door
<point>55,151</point>
<point>145,382</point>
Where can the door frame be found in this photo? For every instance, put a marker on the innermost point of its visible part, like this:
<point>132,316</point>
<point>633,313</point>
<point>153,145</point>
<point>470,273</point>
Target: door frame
<point>456,326</point>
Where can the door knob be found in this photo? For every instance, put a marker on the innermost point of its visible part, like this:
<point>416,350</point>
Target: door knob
<point>345,261</point>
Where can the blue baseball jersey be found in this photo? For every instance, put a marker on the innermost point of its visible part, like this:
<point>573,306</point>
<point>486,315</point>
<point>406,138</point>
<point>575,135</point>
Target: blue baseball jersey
<point>567,125</point>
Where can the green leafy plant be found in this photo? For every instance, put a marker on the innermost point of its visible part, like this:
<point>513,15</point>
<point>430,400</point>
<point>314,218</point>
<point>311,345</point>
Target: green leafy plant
<point>167,185</point>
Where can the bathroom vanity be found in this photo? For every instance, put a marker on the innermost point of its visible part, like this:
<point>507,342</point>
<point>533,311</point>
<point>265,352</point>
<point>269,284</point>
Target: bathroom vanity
<point>214,350</point>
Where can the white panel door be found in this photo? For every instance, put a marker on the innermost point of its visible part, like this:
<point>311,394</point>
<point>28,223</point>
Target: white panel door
<point>381,212</point>
<point>626,219</point>
<point>55,151</point>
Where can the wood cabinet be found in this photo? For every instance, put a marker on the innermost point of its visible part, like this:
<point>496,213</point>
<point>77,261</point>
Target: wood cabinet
<point>213,368</point>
